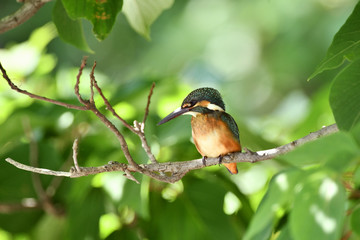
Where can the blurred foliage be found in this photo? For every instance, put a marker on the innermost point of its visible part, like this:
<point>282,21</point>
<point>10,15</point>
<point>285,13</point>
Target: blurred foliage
<point>344,46</point>
<point>258,54</point>
<point>101,14</point>
<point>69,30</point>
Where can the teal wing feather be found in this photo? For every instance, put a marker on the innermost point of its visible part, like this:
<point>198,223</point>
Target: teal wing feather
<point>232,124</point>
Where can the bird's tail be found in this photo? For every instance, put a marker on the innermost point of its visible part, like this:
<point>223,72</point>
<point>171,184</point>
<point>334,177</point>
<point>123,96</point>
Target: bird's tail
<point>231,167</point>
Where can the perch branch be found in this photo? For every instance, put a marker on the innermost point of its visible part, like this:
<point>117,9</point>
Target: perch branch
<point>166,172</point>
<point>179,169</point>
<point>24,13</point>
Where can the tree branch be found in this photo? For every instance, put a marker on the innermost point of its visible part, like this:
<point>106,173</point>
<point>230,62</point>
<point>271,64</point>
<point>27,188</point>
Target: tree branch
<point>179,169</point>
<point>25,12</point>
<point>44,199</point>
<point>148,102</point>
<point>75,153</point>
<point>25,204</point>
<point>167,172</point>
<point>31,95</point>
<point>140,127</point>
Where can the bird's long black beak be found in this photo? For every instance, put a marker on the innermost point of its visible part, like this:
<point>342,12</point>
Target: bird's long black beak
<point>174,114</point>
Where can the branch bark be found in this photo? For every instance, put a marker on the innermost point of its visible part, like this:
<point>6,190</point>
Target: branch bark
<point>179,169</point>
<point>25,12</point>
<point>167,172</point>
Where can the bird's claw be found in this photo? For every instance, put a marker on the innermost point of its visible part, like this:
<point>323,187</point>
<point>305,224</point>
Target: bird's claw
<point>220,159</point>
<point>204,160</point>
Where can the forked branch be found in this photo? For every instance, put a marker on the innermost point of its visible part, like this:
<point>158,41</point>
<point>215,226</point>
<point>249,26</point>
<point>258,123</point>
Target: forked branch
<point>167,172</point>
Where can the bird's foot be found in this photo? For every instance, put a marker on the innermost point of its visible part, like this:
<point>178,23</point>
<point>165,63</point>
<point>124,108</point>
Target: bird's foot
<point>204,160</point>
<point>220,159</point>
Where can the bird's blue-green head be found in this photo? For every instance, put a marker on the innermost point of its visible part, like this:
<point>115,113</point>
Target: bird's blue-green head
<point>201,100</point>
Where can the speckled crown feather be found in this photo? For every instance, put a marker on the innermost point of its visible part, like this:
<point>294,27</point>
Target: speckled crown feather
<point>209,94</point>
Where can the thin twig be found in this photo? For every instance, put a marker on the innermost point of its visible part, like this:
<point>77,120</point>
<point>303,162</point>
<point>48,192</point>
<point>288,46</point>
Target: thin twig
<point>139,127</point>
<point>177,170</point>
<point>130,176</point>
<point>75,154</point>
<point>45,200</point>
<point>34,159</point>
<point>31,95</point>
<point>76,88</point>
<point>56,181</point>
<point>92,79</point>
<point>24,13</point>
<point>37,170</point>
<point>25,204</point>
<point>106,101</point>
<point>148,103</point>
<point>107,123</point>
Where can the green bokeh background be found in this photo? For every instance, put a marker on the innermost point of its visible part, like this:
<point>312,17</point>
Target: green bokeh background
<point>258,54</point>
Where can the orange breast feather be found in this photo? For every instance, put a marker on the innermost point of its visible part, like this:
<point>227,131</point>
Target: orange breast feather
<point>213,138</point>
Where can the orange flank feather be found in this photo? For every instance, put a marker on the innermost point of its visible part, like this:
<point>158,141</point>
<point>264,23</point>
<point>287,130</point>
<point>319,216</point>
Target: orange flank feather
<point>213,138</point>
<point>231,167</point>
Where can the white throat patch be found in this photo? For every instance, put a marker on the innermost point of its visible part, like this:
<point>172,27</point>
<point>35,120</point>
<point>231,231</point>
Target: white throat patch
<point>214,107</point>
<point>194,114</point>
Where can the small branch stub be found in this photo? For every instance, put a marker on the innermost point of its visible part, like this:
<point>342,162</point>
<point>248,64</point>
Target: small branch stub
<point>75,153</point>
<point>175,170</point>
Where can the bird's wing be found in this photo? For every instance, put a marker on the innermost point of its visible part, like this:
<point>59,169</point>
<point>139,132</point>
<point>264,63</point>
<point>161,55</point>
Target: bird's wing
<point>232,124</point>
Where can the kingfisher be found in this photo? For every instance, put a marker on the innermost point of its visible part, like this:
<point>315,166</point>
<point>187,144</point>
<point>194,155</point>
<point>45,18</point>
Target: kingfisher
<point>215,132</point>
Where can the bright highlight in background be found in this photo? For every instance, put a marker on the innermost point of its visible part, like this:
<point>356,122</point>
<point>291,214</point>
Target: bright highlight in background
<point>108,223</point>
<point>231,203</point>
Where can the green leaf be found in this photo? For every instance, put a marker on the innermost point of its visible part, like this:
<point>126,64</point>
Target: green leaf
<point>184,226</point>
<point>356,177</point>
<point>207,199</point>
<point>285,233</point>
<point>355,132</point>
<point>69,30</point>
<point>274,204</point>
<point>50,227</point>
<point>101,13</point>
<point>20,221</point>
<point>196,213</point>
<point>142,13</point>
<point>345,97</point>
<point>319,208</point>
<point>83,216</point>
<point>355,221</point>
<point>123,233</point>
<point>136,197</point>
<point>345,45</point>
<point>16,189</point>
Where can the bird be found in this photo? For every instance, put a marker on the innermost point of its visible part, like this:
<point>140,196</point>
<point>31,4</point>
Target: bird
<point>215,132</point>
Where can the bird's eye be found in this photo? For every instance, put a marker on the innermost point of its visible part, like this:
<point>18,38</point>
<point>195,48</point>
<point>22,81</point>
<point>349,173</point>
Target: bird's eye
<point>189,104</point>
<point>192,103</point>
